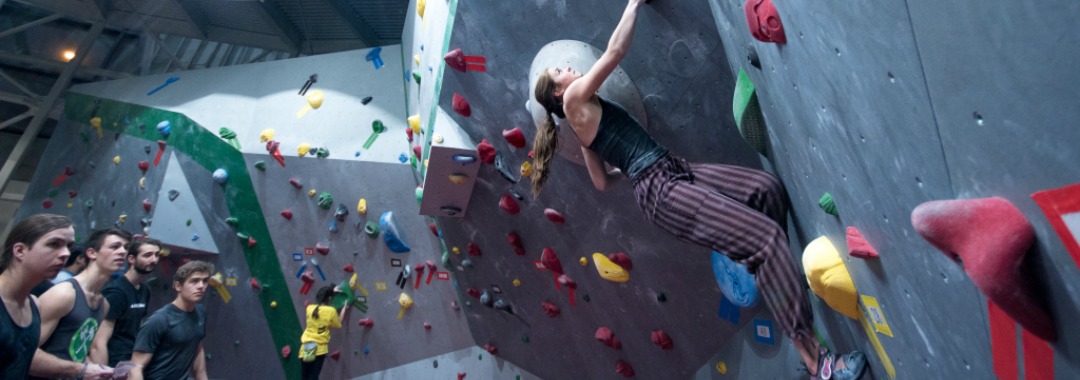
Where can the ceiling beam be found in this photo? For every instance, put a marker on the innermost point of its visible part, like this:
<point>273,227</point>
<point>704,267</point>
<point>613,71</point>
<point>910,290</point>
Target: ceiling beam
<point>16,119</point>
<point>356,23</point>
<point>31,24</point>
<point>284,28</point>
<point>196,15</point>
<point>41,64</point>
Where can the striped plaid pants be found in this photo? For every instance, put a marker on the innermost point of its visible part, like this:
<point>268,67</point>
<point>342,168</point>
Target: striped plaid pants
<point>737,211</point>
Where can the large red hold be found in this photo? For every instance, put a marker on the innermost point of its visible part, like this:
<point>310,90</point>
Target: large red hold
<point>624,368</point>
<point>486,152</point>
<point>551,261</point>
<point>515,241</point>
<point>514,137</point>
<point>551,309</point>
<point>622,260</point>
<point>554,216</point>
<point>764,21</point>
<point>508,204</point>
<point>989,237</point>
<point>661,338</point>
<point>461,106</point>
<point>605,336</point>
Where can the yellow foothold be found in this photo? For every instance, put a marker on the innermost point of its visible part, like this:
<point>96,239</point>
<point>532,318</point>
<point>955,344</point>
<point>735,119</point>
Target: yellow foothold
<point>456,251</point>
<point>609,270</point>
<point>421,5</point>
<point>583,261</point>
<point>437,138</point>
<point>405,301</point>
<point>722,368</point>
<point>526,169</point>
<point>70,205</point>
<point>266,135</point>
<point>829,277</point>
<point>311,193</point>
<point>458,178</point>
<point>361,207</point>
<point>303,149</point>
<point>95,122</point>
<point>416,58</point>
<point>116,160</point>
<point>273,304</point>
<point>123,218</point>
<point>425,162</point>
<point>414,123</point>
<point>517,282</point>
<point>315,99</point>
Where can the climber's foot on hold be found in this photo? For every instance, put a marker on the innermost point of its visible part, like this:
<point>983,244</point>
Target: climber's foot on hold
<point>851,366</point>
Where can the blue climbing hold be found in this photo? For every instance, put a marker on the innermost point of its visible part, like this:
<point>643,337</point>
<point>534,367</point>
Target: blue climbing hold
<point>736,283</point>
<point>392,234</point>
<point>374,58</point>
<point>164,128</point>
<point>403,158</point>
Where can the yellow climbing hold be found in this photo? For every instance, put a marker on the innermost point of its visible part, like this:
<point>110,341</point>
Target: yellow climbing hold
<point>116,160</point>
<point>458,178</point>
<point>70,205</point>
<point>437,138</point>
<point>142,183</point>
<point>829,277</point>
<point>406,302</point>
<point>96,123</point>
<point>414,123</point>
<point>416,58</point>
<point>315,99</point>
<point>361,207</point>
<point>526,169</point>
<point>123,218</point>
<point>517,282</point>
<point>421,5</point>
<point>311,193</point>
<point>218,285</point>
<point>303,149</point>
<point>583,261</point>
<point>273,304</point>
<point>266,135</point>
<point>456,251</point>
<point>722,368</point>
<point>609,270</point>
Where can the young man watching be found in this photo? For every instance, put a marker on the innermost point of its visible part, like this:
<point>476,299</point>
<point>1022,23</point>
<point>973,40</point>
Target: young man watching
<point>72,310</point>
<point>76,263</point>
<point>169,345</point>
<point>128,299</point>
<point>36,250</point>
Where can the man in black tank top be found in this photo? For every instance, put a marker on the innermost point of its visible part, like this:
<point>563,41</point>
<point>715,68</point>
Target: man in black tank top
<point>72,310</point>
<point>128,301</point>
<point>35,250</point>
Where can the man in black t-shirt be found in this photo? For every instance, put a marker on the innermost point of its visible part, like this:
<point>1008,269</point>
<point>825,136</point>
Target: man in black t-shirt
<point>169,345</point>
<point>128,300</point>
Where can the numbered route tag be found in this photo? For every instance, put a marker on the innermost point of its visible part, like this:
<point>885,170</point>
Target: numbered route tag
<point>876,316</point>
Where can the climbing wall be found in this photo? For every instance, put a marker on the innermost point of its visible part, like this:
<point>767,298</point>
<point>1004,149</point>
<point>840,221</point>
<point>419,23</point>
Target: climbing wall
<point>676,64</point>
<point>889,106</point>
<point>237,223</point>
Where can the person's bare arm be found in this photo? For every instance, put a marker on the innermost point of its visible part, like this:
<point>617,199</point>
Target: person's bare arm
<point>53,305</point>
<point>582,89</point>
<point>601,178</point>
<point>140,360</point>
<point>99,351</point>
<point>198,368</point>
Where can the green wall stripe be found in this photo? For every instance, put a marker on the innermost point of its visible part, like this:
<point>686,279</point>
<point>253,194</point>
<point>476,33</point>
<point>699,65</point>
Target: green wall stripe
<point>211,152</point>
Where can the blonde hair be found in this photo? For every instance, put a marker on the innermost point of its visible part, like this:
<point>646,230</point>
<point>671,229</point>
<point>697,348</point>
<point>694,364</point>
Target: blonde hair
<point>546,143</point>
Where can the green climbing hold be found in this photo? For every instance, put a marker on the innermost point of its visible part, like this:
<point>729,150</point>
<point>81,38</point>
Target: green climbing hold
<point>242,236</point>
<point>377,127</point>
<point>237,342</point>
<point>89,203</point>
<point>826,203</point>
<point>371,229</point>
<point>416,77</point>
<point>747,112</point>
<point>232,221</point>
<point>230,137</point>
<point>189,222</point>
<point>322,152</point>
<point>52,192</point>
<point>480,357</point>
<point>419,195</point>
<point>261,165</point>
<point>412,161</point>
<point>525,339</point>
<point>326,200</point>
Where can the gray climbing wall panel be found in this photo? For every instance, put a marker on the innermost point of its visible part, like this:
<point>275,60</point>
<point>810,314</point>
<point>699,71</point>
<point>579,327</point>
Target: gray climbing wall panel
<point>879,105</point>
<point>676,63</point>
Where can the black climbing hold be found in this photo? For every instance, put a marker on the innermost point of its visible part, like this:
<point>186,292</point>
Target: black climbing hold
<point>515,194</point>
<point>146,149</point>
<point>501,304</point>
<point>173,194</point>
<point>365,100</point>
<point>341,213</point>
<point>504,170</point>
<point>754,60</point>
<point>585,297</point>
<point>434,363</point>
<point>485,299</point>
<point>661,297</point>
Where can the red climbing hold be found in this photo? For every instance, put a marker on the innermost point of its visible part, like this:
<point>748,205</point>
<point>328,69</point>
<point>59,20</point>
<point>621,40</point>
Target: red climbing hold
<point>251,242</point>
<point>764,21</point>
<point>461,62</point>
<point>46,204</point>
<point>427,326</point>
<point>296,183</point>
<point>322,249</point>
<point>490,348</point>
<point>551,309</point>
<point>336,355</point>
<point>605,336</point>
<point>461,106</point>
<point>160,152</point>
<point>622,260</point>
<point>409,134</point>
<point>285,351</point>
<point>514,137</point>
<point>434,229</point>
<point>461,376</point>
<point>989,237</point>
<point>366,322</point>
<point>416,151</point>
<point>474,249</point>
<point>858,246</point>
<point>349,268</point>
<point>661,338</point>
<point>624,368</point>
<point>486,152</point>
<point>508,204</point>
<point>475,293</point>
<point>287,214</point>
<point>72,194</point>
<point>255,284</point>
<point>146,205</point>
<point>515,241</point>
<point>144,166</point>
<point>551,261</point>
<point>554,216</point>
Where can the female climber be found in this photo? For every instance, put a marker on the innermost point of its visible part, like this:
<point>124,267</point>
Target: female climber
<point>739,211</point>
<point>315,342</point>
